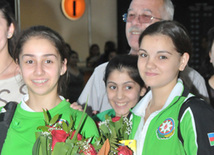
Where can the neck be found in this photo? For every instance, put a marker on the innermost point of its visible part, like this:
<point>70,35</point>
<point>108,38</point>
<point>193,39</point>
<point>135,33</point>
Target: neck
<point>40,102</point>
<point>133,52</point>
<point>160,95</point>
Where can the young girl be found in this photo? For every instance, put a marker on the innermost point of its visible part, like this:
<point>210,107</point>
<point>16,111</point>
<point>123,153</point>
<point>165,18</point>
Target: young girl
<point>12,87</point>
<point>42,61</point>
<point>124,86</point>
<point>164,51</point>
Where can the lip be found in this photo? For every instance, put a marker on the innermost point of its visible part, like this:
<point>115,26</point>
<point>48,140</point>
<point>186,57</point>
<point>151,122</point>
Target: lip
<point>135,32</point>
<point>120,104</point>
<point>151,74</point>
<point>40,81</point>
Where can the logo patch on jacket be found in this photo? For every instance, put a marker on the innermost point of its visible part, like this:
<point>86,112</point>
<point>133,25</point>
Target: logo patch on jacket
<point>167,129</point>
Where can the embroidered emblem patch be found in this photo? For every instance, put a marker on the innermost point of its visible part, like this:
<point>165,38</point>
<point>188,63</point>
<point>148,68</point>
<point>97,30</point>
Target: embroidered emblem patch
<point>166,129</point>
<point>211,138</point>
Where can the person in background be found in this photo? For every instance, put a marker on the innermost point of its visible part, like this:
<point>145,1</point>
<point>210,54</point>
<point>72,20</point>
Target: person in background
<point>42,61</point>
<point>112,54</point>
<point>94,55</point>
<point>158,111</point>
<point>124,86</point>
<point>109,47</point>
<point>12,87</point>
<point>141,14</point>
<point>75,78</point>
<point>207,66</point>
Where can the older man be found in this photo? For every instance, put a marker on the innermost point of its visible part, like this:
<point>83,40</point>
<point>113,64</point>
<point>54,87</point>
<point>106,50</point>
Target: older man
<point>141,14</point>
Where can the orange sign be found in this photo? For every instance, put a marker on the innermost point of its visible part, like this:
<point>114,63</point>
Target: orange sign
<point>73,9</point>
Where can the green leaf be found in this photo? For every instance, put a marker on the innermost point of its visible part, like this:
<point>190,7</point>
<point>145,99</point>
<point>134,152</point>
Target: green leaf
<point>44,144</point>
<point>43,128</point>
<point>80,123</point>
<point>65,127</point>
<point>60,148</point>
<point>54,119</point>
<point>46,117</point>
<point>36,146</point>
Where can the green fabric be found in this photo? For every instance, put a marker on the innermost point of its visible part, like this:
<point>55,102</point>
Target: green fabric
<point>135,122</point>
<point>164,145</point>
<point>21,134</point>
<point>101,116</point>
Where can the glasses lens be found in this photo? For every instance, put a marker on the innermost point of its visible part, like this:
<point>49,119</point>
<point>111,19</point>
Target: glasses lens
<point>145,18</point>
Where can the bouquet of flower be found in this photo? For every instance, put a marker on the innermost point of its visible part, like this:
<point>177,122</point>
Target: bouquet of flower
<point>113,135</point>
<point>59,137</point>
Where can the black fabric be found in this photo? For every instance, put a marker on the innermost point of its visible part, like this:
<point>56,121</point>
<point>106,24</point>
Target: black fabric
<point>203,115</point>
<point>5,120</point>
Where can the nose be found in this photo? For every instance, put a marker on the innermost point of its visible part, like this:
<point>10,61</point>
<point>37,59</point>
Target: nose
<point>119,93</point>
<point>136,20</point>
<point>39,70</point>
<point>150,63</point>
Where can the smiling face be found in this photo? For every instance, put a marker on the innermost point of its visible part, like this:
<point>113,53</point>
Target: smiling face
<point>160,63</point>
<point>134,28</point>
<point>123,92</point>
<point>41,66</point>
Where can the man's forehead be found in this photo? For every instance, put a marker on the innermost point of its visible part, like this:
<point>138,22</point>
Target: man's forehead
<point>144,5</point>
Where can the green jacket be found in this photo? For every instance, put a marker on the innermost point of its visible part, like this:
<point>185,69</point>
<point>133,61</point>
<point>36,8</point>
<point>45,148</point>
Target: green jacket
<point>159,134</point>
<point>21,133</point>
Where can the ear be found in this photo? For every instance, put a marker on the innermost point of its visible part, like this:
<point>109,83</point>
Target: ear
<point>64,67</point>
<point>10,31</point>
<point>184,61</point>
<point>143,91</point>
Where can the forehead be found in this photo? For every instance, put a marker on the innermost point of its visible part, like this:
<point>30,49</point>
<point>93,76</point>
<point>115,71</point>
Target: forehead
<point>38,44</point>
<point>153,6</point>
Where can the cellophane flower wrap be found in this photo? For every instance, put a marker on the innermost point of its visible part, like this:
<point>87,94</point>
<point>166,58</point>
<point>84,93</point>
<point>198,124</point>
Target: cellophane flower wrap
<point>58,137</point>
<point>112,131</point>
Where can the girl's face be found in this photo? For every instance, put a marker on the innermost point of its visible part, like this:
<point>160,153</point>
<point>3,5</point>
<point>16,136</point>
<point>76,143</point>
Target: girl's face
<point>41,66</point>
<point>211,53</point>
<point>159,63</point>
<point>123,92</point>
<point>5,32</point>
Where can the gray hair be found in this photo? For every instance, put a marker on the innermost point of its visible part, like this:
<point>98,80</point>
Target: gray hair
<point>169,10</point>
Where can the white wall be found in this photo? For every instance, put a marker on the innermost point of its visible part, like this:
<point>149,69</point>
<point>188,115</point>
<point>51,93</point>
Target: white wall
<point>48,12</point>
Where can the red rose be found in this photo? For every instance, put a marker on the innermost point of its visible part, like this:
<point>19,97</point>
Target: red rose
<point>124,150</point>
<point>115,119</point>
<point>79,136</point>
<point>58,136</point>
<point>89,151</point>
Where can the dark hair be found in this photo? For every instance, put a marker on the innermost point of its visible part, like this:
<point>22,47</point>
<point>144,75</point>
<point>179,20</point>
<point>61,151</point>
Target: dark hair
<point>206,68</point>
<point>173,30</point>
<point>127,62</point>
<point>8,15</point>
<point>52,36</point>
<point>210,39</point>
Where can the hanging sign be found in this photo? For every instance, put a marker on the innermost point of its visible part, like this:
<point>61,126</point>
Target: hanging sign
<point>73,9</point>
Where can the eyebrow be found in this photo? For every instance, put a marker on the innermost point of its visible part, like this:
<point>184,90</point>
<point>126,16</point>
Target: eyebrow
<point>109,82</point>
<point>31,55</point>
<point>157,52</point>
<point>147,10</point>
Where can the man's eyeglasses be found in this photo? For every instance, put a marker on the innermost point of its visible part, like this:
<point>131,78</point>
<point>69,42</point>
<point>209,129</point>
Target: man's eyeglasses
<point>142,18</point>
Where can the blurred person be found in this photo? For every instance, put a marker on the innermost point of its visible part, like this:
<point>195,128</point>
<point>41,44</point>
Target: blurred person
<point>75,78</point>
<point>108,47</point>
<point>94,55</point>
<point>207,65</point>
<point>12,87</point>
